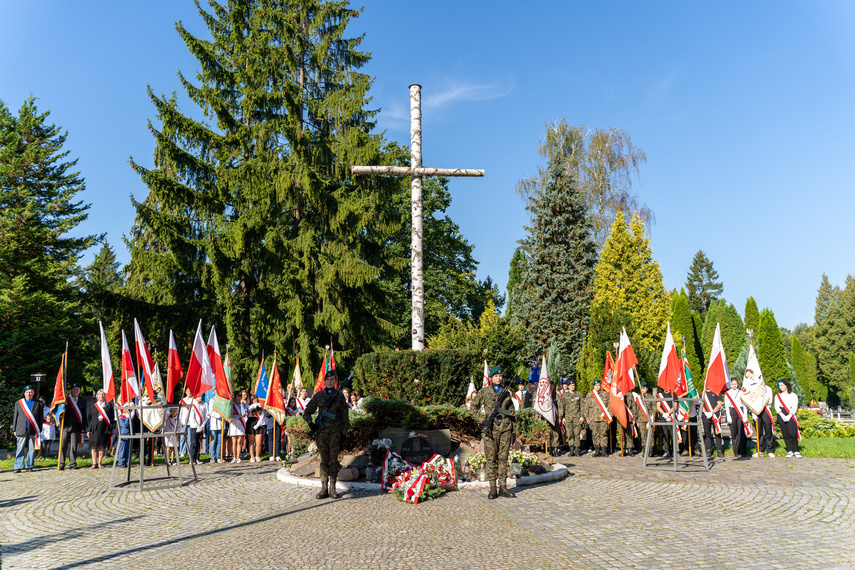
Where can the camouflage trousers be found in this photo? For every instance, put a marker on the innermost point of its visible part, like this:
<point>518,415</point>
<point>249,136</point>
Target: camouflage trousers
<point>496,452</point>
<point>329,445</point>
<point>573,431</point>
<point>600,434</point>
<point>554,436</point>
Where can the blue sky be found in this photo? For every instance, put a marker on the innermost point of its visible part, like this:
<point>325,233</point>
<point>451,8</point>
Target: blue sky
<point>745,111</point>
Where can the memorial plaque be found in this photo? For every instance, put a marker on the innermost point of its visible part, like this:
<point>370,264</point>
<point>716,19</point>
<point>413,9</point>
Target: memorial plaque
<point>416,450</point>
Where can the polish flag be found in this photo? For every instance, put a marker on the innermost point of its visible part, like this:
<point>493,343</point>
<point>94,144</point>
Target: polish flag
<point>625,377</point>
<point>669,366</point>
<point>485,381</point>
<point>109,385</point>
<point>717,374</point>
<point>130,385</point>
<point>200,377</point>
<point>174,372</point>
<point>216,364</point>
<point>543,401</point>
<point>144,356</point>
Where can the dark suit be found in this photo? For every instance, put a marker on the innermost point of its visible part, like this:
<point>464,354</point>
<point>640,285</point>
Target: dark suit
<point>20,423</point>
<point>72,427</point>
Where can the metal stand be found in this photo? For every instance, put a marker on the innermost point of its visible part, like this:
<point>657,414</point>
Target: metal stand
<point>686,466</point>
<point>169,481</point>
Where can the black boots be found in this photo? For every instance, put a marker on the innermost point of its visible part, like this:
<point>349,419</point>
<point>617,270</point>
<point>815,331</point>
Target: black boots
<point>503,492</point>
<point>492,494</point>
<point>332,492</point>
<point>324,490</point>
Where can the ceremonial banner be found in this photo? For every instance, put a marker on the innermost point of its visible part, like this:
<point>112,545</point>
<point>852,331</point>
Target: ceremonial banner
<point>608,372</point>
<point>297,378</point>
<point>275,403</point>
<point>144,360</point>
<point>543,400</point>
<point>319,382</point>
<point>152,418</point>
<point>221,383</point>
<point>626,362</point>
<point>57,407</point>
<point>717,375</point>
<point>262,386</point>
<point>753,386</point>
<point>485,380</point>
<point>108,385</point>
<point>616,404</point>
<point>669,366</point>
<point>130,385</point>
<point>689,386</point>
<point>470,391</point>
<point>223,407</point>
<point>200,377</point>
<point>174,372</point>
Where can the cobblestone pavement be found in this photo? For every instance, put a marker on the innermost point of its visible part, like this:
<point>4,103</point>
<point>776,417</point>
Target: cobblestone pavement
<point>608,513</point>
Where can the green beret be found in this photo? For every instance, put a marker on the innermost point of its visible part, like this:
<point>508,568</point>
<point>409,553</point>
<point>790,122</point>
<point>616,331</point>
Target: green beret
<point>331,373</point>
<point>29,387</point>
<point>495,370</point>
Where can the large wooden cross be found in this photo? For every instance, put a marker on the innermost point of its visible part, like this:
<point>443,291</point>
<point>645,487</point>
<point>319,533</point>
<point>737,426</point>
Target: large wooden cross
<point>416,172</point>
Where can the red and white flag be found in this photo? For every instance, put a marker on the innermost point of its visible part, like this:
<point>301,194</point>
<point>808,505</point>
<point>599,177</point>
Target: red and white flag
<point>543,400</point>
<point>625,376</point>
<point>471,390</point>
<point>200,377</point>
<point>485,380</point>
<point>717,374</point>
<point>144,357</point>
<point>108,384</point>
<point>669,366</point>
<point>220,381</point>
<point>130,385</point>
<point>174,372</point>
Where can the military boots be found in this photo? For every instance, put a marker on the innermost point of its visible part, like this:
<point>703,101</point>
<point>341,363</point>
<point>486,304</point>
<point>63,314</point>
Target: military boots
<point>332,492</point>
<point>492,494</point>
<point>503,492</point>
<point>324,491</point>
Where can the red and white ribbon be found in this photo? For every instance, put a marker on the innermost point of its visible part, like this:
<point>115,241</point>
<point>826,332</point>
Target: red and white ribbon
<point>739,413</point>
<point>605,411</point>
<point>32,420</point>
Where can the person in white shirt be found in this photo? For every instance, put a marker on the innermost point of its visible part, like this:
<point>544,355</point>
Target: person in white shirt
<point>196,426</point>
<point>303,400</point>
<point>765,428</point>
<point>736,412</point>
<point>216,427</point>
<point>183,417</point>
<point>787,407</point>
<point>237,427</point>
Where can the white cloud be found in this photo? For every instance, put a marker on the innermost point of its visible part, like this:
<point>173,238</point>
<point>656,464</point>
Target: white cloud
<point>465,91</point>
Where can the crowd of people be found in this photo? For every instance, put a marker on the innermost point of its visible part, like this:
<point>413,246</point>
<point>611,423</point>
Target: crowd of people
<point>192,429</point>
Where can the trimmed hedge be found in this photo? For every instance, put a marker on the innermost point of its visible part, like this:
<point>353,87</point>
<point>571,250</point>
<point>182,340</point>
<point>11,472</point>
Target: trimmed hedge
<point>420,378</point>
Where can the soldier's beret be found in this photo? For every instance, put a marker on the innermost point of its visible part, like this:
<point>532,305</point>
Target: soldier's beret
<point>564,381</point>
<point>495,370</point>
<point>28,387</point>
<point>643,383</point>
<point>75,386</point>
<point>331,374</point>
<point>597,381</point>
<point>520,381</point>
<point>532,381</point>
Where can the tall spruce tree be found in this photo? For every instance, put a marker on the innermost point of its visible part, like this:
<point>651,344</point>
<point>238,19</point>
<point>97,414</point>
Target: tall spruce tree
<point>293,245</point>
<point>40,307</point>
<point>702,284</point>
<point>714,317</point>
<point>629,279</point>
<point>797,358</point>
<point>770,350</point>
<point>733,334</point>
<point>752,315</point>
<point>834,314</point>
<point>515,274</point>
<point>555,291</point>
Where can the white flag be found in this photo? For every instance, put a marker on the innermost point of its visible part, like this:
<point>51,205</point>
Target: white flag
<point>543,399</point>
<point>486,380</point>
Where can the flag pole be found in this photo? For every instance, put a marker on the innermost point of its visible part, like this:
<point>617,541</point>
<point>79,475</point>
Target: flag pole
<point>62,363</point>
<point>275,423</point>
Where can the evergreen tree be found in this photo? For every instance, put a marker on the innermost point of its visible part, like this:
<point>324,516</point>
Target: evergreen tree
<point>714,317</point>
<point>770,350</point>
<point>752,315</point>
<point>515,274</point>
<point>293,244</point>
<point>102,282</point>
<point>733,334</point>
<point>702,284</point>
<point>628,279</point>
<point>604,329</point>
<point>850,391</point>
<point>39,301</point>
<point>835,327</point>
<point>555,291</point>
<point>799,367</point>
<point>818,390</point>
<point>683,325</point>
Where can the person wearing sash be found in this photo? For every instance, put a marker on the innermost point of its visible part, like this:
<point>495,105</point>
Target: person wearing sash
<point>598,417</point>
<point>255,429</point>
<point>237,427</point>
<point>171,423</point>
<point>517,395</point>
<point>99,428</point>
<point>333,422</point>
<point>74,422</point>
<point>570,416</point>
<point>184,416</point>
<point>690,433</point>
<point>765,427</point>
<point>26,427</point>
<point>303,400</point>
<point>196,427</point>
<point>737,415</point>
<point>787,407</point>
<point>665,411</point>
<point>497,447</point>
<point>216,428</point>
<point>711,421</point>
<point>530,393</point>
<point>640,413</point>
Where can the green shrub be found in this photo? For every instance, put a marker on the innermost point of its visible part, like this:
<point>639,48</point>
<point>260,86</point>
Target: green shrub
<point>419,377</point>
<point>812,424</point>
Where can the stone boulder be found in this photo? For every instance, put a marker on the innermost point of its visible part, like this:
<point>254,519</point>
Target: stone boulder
<point>307,467</point>
<point>439,439</point>
<point>348,474</point>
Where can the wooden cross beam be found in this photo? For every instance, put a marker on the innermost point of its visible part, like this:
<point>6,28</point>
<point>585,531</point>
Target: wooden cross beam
<point>416,172</point>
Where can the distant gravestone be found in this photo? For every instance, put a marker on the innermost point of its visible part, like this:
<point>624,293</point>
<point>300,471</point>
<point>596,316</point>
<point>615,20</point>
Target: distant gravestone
<point>416,450</point>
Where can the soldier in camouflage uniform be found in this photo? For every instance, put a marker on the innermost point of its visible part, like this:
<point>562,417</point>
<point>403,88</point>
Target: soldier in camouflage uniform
<point>570,416</point>
<point>555,436</point>
<point>336,422</point>
<point>496,449</point>
<point>640,419</point>
<point>599,425</point>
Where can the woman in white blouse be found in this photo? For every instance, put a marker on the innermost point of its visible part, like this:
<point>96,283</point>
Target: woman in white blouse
<point>787,406</point>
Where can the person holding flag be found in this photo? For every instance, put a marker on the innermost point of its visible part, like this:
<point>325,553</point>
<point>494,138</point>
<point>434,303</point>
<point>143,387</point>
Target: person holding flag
<point>714,384</point>
<point>596,412</point>
<point>26,428</point>
<point>570,416</point>
<point>737,418</point>
<point>787,407</point>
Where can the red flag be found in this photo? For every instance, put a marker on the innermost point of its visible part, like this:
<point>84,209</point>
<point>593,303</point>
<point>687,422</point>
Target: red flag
<point>130,385</point>
<point>717,373</point>
<point>216,363</point>
<point>608,372</point>
<point>108,385</point>
<point>57,407</point>
<point>319,382</point>
<point>174,372</point>
<point>275,401</point>
<point>670,375</point>
<point>200,377</point>
<point>625,363</point>
<point>144,357</point>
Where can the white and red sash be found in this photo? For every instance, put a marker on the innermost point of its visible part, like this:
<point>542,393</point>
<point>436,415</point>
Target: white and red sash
<point>739,413</point>
<point>716,421</point>
<point>605,411</point>
<point>79,418</point>
<point>350,406</point>
<point>516,396</point>
<point>769,413</point>
<point>631,420</point>
<point>668,417</point>
<point>198,413</point>
<point>240,418</point>
<point>795,417</point>
<point>641,406</point>
<point>32,420</point>
<point>301,405</point>
<point>102,412</point>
